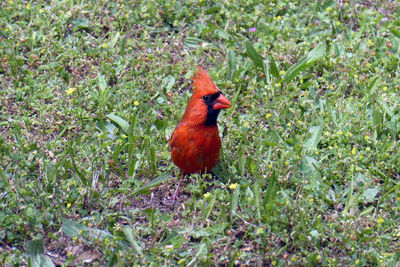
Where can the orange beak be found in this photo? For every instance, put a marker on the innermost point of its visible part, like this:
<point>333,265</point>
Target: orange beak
<point>222,102</point>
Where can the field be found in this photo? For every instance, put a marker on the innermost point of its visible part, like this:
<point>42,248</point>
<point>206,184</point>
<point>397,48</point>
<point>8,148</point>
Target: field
<point>90,92</point>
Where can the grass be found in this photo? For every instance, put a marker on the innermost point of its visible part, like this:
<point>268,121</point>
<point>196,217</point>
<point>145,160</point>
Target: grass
<point>91,92</point>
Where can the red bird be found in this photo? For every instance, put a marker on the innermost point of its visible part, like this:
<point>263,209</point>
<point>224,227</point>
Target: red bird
<point>195,143</point>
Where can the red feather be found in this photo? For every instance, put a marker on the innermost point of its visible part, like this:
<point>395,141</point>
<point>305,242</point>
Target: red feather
<point>195,146</point>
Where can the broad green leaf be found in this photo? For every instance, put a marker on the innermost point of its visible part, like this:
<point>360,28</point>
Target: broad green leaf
<point>372,87</point>
<point>34,249</point>
<point>395,32</point>
<point>312,141</point>
<point>318,52</point>
<point>115,39</point>
<point>231,64</point>
<point>257,59</point>
<point>212,10</point>
<point>120,122</point>
<point>350,197</point>
<point>339,51</point>
<point>145,188</point>
<point>251,165</point>
<point>4,178</point>
<point>274,68</point>
<point>267,73</point>
<point>308,169</point>
<point>366,211</point>
<point>102,82</point>
<point>369,194</point>
<point>128,231</point>
<point>193,42</point>
<point>384,106</point>
<point>80,24</point>
<point>272,191</point>
<point>110,129</point>
<point>235,199</point>
<point>233,258</point>
<point>112,259</point>
<point>72,229</point>
<point>223,34</point>
<point>210,206</point>
<point>168,83</point>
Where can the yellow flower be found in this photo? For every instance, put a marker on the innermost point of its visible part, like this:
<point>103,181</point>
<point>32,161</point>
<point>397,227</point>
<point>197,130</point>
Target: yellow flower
<point>301,80</point>
<point>68,205</point>
<point>366,138</point>
<point>368,149</point>
<point>233,186</point>
<point>282,72</point>
<point>260,231</point>
<point>71,90</point>
<point>104,45</point>
<point>340,132</point>
<point>106,241</point>
<point>311,200</point>
<point>354,151</point>
<point>338,23</point>
<point>270,166</point>
<point>41,11</point>
<point>207,195</point>
<point>384,88</point>
<point>380,220</point>
<point>286,162</point>
<point>136,103</point>
<point>268,115</point>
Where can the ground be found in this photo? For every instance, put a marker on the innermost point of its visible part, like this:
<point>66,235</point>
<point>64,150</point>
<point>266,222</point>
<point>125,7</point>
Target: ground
<point>309,169</point>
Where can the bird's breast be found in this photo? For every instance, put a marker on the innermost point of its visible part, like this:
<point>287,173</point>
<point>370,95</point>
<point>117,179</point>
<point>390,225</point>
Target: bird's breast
<point>196,149</point>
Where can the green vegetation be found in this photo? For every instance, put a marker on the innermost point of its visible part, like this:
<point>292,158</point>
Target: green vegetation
<point>91,91</point>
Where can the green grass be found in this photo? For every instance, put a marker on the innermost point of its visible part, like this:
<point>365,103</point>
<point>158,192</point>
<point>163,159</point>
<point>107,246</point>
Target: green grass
<point>309,170</point>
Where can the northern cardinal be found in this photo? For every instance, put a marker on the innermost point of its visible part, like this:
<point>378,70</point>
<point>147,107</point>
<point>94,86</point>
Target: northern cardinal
<point>195,143</point>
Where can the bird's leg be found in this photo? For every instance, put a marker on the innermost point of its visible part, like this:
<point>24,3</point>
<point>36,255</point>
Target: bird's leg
<point>175,195</point>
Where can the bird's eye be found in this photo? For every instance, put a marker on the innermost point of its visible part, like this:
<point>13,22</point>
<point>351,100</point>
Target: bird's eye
<point>207,98</point>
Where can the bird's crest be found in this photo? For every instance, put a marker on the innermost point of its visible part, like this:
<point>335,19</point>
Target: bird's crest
<point>202,82</point>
